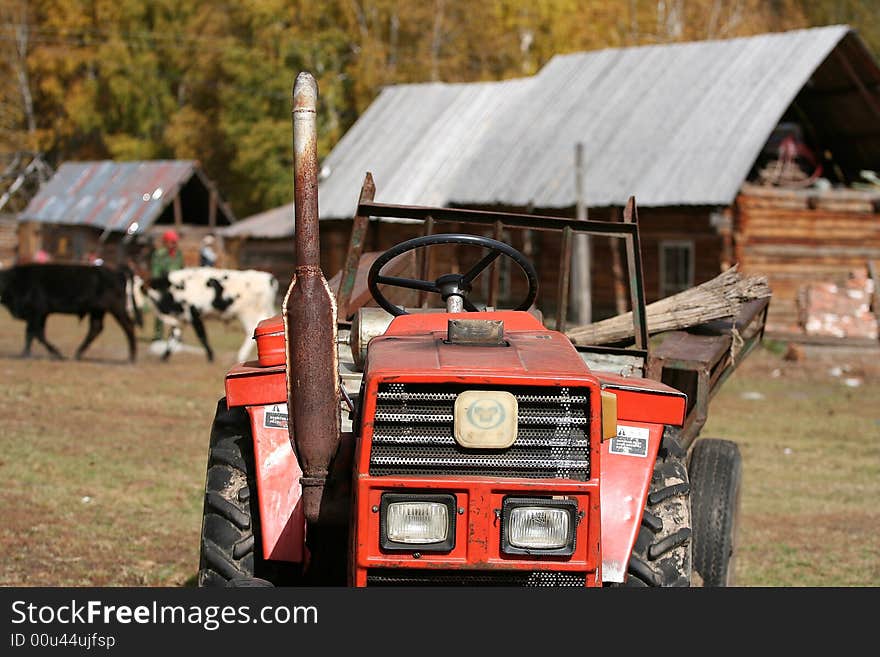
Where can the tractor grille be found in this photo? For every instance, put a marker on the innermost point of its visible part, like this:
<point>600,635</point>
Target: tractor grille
<point>522,578</point>
<point>413,434</point>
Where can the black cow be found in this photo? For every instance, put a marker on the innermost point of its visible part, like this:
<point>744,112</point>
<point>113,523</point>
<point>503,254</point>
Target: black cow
<point>31,292</point>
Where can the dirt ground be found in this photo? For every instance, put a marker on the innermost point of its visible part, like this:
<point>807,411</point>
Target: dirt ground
<point>809,432</point>
<point>103,462</point>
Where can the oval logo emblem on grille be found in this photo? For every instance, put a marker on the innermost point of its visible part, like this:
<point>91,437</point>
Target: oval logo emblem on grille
<point>485,419</point>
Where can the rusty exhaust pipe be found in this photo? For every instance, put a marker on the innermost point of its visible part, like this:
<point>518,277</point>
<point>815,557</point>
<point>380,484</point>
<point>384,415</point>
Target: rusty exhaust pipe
<point>310,317</point>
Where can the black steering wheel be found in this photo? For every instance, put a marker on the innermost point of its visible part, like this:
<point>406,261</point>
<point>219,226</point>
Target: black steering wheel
<point>449,285</point>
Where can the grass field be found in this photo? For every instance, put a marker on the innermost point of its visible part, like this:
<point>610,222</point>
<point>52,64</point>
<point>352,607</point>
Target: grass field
<point>103,462</point>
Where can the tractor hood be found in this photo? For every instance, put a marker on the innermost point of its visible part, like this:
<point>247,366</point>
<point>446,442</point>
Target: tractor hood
<point>418,344</point>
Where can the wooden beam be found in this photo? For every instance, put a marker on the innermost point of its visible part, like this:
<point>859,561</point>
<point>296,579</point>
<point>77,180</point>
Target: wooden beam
<point>212,209</point>
<point>869,99</point>
<point>581,279</point>
<point>178,212</point>
<point>564,273</point>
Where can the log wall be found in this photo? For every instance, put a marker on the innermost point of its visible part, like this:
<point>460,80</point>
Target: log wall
<point>797,237</point>
<point>543,248</point>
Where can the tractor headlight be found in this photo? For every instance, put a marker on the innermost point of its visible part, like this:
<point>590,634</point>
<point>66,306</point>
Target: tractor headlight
<point>538,526</point>
<point>417,522</point>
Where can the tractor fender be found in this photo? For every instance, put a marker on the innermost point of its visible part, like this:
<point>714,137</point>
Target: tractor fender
<point>263,393</point>
<point>278,484</point>
<point>626,470</point>
<point>644,409</point>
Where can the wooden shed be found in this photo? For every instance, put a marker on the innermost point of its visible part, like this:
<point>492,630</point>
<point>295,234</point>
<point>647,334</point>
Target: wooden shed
<point>690,129</point>
<point>115,210</point>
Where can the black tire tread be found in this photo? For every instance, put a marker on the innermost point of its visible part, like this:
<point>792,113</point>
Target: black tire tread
<point>661,556</point>
<point>715,468</point>
<point>230,519</point>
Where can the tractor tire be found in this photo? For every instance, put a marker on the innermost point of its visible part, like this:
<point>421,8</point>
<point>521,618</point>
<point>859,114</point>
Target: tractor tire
<point>230,543</point>
<point>661,555</point>
<point>715,470</point>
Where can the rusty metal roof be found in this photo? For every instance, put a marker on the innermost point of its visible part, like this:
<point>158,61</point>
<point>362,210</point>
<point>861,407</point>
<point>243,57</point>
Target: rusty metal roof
<point>118,196</point>
<point>672,124</point>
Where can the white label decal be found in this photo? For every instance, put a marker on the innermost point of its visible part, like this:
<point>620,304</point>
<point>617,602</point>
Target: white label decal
<point>275,417</point>
<point>630,441</point>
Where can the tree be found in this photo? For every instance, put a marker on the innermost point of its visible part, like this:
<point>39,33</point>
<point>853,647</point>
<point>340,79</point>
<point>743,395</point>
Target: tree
<point>135,79</point>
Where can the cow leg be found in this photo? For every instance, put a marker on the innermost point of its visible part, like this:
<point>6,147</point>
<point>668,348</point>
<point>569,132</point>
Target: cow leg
<point>30,332</point>
<point>199,328</point>
<point>38,330</point>
<point>96,325</point>
<point>247,346</point>
<point>172,341</point>
<point>127,325</point>
<point>29,335</point>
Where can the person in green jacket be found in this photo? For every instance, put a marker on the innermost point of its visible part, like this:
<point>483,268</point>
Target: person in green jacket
<point>165,259</point>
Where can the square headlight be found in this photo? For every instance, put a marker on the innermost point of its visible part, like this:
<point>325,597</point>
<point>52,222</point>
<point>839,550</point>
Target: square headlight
<point>538,526</point>
<point>417,523</point>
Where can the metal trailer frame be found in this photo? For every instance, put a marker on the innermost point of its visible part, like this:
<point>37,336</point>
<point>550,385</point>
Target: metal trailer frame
<point>628,231</point>
<point>699,361</point>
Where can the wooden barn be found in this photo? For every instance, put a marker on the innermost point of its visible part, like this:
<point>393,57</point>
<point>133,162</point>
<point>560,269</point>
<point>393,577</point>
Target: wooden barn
<point>737,151</point>
<point>265,241</point>
<point>115,211</point>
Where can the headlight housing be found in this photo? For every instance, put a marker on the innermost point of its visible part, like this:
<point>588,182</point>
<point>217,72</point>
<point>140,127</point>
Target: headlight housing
<point>538,526</point>
<point>417,523</point>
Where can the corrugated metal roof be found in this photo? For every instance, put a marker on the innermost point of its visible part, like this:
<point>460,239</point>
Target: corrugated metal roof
<point>112,195</point>
<point>280,221</point>
<point>671,124</point>
<point>277,222</point>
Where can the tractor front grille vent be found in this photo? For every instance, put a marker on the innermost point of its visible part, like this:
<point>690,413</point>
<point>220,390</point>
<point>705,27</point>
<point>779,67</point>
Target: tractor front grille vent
<point>413,434</point>
<point>521,578</point>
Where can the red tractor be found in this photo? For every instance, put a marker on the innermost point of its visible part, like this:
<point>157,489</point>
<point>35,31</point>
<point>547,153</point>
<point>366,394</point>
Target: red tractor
<point>464,445</point>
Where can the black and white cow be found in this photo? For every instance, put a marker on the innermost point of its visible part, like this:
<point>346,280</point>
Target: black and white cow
<point>192,294</point>
<point>32,292</point>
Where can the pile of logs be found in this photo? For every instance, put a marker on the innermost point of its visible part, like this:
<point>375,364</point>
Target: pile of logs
<point>720,297</point>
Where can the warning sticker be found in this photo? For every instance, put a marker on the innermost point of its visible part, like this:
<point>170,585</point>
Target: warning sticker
<point>275,417</point>
<point>630,441</point>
